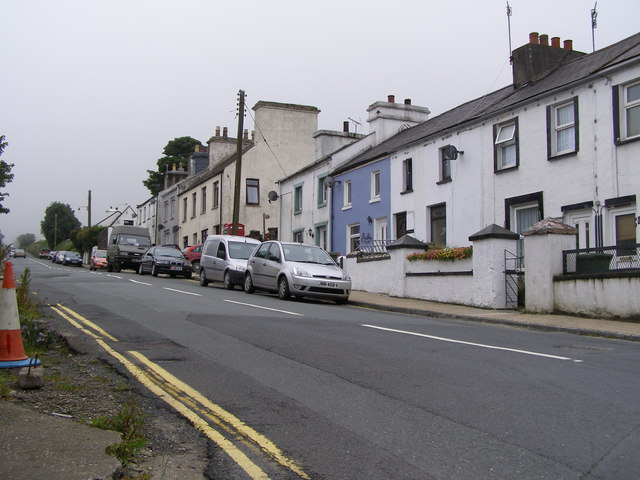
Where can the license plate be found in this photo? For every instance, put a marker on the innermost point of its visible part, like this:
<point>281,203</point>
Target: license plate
<point>328,284</point>
<point>176,268</point>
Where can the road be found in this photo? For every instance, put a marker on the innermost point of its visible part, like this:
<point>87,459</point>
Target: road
<point>339,392</point>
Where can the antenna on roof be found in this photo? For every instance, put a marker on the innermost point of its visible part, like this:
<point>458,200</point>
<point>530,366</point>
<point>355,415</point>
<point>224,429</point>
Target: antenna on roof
<point>357,124</point>
<point>509,24</point>
<point>594,25</point>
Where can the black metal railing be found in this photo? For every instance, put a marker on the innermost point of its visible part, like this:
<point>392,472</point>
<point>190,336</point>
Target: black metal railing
<point>367,247</point>
<point>601,259</point>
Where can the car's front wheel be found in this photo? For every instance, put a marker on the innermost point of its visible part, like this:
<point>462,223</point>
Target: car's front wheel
<point>154,270</point>
<point>140,270</point>
<point>283,289</point>
<point>248,284</point>
<point>226,281</point>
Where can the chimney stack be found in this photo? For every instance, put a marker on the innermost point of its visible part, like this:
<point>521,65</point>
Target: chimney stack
<point>217,131</point>
<point>345,126</point>
<point>224,132</point>
<point>245,135</point>
<point>391,98</point>
<point>407,101</point>
<point>568,44</point>
<point>544,39</point>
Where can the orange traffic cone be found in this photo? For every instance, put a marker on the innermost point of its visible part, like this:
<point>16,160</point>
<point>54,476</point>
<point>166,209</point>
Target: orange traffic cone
<point>11,349</point>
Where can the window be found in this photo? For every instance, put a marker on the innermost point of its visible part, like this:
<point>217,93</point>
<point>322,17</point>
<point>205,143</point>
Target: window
<point>445,167</point>
<point>195,239</point>
<point>193,204</point>
<point>203,200</point>
<point>185,241</point>
<point>375,186</point>
<point>347,194</point>
<point>407,175</point>
<point>173,208</point>
<point>562,128</point>
<point>184,209</point>
<point>253,191</point>
<point>297,199</point>
<point>626,105</point>
<point>401,224</point>
<point>165,211</point>
<point>505,148</point>
<point>204,234</point>
<point>216,194</point>
<point>298,236</point>
<point>625,232</point>
<point>353,237</point>
<point>438,214</point>
<point>323,192</point>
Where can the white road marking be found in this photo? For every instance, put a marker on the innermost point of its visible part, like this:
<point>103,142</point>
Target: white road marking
<point>182,291</point>
<point>265,308</point>
<point>492,347</point>
<point>114,276</point>
<point>139,282</point>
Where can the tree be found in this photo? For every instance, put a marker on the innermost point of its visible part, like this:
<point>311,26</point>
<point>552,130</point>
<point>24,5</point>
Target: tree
<point>5,174</point>
<point>176,151</point>
<point>85,238</point>
<point>25,240</point>
<point>59,221</point>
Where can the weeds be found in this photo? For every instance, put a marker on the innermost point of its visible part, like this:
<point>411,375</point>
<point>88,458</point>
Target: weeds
<point>5,381</point>
<point>128,423</point>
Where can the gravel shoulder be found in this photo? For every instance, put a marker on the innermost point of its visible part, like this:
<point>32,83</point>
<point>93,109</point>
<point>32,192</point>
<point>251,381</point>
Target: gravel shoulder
<point>84,387</point>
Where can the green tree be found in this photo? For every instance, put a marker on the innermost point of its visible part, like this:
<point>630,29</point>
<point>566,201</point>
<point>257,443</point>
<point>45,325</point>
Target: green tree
<point>5,174</point>
<point>176,151</point>
<point>59,221</point>
<point>25,240</point>
<point>85,238</point>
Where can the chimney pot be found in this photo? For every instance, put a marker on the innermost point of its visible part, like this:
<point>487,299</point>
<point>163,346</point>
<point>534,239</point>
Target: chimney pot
<point>245,135</point>
<point>544,39</point>
<point>224,132</point>
<point>253,135</point>
<point>533,37</point>
<point>217,131</point>
<point>391,98</point>
<point>555,42</point>
<point>407,101</point>
<point>568,44</point>
<point>345,126</point>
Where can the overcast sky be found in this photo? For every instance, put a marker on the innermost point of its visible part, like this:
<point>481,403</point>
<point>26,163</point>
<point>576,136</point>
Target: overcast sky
<point>92,90</point>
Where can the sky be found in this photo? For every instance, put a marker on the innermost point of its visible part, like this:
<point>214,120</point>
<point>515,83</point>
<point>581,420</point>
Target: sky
<point>92,90</point>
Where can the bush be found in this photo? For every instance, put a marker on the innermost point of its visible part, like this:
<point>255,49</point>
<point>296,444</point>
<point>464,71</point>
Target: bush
<point>442,254</point>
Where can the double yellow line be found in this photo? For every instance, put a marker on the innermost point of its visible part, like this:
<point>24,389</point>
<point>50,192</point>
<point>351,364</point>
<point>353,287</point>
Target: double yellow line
<point>190,403</point>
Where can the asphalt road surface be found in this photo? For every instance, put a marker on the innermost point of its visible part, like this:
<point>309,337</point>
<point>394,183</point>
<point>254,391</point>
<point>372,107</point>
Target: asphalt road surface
<point>351,393</point>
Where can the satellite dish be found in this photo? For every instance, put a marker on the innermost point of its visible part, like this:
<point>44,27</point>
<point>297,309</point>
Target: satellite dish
<point>450,152</point>
<point>329,181</point>
<point>273,196</point>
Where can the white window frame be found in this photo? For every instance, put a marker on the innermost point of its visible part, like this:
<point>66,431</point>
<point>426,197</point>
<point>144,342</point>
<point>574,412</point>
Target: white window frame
<point>502,142</point>
<point>298,198</point>
<point>203,199</point>
<point>346,198</point>
<point>556,128</point>
<point>215,194</point>
<point>323,192</point>
<point>407,175</point>
<point>352,236</point>
<point>375,186</point>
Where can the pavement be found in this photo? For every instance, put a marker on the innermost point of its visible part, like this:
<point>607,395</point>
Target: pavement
<point>34,445</point>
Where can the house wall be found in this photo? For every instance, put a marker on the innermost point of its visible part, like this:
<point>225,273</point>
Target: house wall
<point>362,204</point>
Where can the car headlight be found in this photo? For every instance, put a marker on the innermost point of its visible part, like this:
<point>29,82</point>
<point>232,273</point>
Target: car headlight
<point>345,276</point>
<point>239,268</point>
<point>300,272</point>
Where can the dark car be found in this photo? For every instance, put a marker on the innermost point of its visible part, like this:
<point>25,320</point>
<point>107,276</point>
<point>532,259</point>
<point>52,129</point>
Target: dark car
<point>166,260</point>
<point>71,258</point>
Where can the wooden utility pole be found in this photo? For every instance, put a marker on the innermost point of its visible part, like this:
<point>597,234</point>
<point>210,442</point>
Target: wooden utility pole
<point>238,182</point>
<point>89,210</point>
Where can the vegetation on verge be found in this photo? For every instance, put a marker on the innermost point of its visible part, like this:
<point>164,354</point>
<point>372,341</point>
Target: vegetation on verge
<point>442,254</point>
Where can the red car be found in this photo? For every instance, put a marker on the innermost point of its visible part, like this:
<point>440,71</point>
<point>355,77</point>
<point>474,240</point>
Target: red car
<point>98,260</point>
<point>193,254</point>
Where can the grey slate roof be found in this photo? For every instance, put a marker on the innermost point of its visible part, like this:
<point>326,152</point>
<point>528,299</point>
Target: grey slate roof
<point>505,98</point>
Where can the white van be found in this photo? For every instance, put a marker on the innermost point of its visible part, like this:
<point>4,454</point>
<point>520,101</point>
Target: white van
<point>224,259</point>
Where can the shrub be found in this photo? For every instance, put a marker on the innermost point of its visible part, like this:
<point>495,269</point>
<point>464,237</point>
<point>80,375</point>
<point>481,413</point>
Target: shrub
<point>442,254</point>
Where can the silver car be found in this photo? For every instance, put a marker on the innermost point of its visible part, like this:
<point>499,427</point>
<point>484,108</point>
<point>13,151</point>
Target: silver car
<point>295,269</point>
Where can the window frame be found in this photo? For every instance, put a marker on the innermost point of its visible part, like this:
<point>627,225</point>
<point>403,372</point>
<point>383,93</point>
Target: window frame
<point>298,198</point>
<point>297,236</point>
<point>203,199</point>
<point>185,208</point>
<point>194,204</point>
<point>352,237</point>
<point>553,129</point>
<point>407,176</point>
<point>323,192</point>
<point>346,195</point>
<point>433,217</point>
<point>250,188</point>
<point>215,192</point>
<point>445,167</point>
<point>498,147</point>
<point>620,108</point>
<point>375,186</point>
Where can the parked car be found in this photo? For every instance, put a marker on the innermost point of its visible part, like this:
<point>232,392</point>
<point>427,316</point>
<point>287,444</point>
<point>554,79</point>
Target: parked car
<point>224,259</point>
<point>167,260</point>
<point>193,254</point>
<point>59,256</point>
<point>52,255</point>
<point>19,252</point>
<point>71,258</point>
<point>44,253</point>
<point>296,269</point>
<point>98,260</point>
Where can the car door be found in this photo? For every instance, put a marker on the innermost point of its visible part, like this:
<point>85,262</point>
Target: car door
<point>147,260</point>
<point>257,262</point>
<point>219,262</point>
<point>272,265</point>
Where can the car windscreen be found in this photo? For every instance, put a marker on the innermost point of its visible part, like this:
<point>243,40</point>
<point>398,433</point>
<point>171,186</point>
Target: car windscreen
<point>101,254</point>
<point>168,252</point>
<point>307,254</point>
<point>73,255</point>
<point>134,240</point>
<point>241,250</point>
